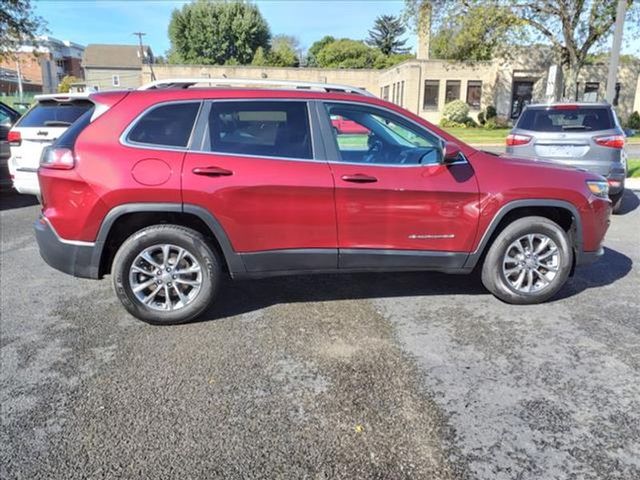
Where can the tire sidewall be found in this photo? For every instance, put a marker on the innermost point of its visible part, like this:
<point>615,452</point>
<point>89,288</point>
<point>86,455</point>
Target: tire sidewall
<point>188,239</point>
<point>492,275</point>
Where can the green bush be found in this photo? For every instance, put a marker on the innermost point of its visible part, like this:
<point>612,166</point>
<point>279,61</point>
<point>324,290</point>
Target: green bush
<point>634,121</point>
<point>470,122</point>
<point>446,123</point>
<point>491,112</point>
<point>456,111</point>
<point>495,123</point>
<point>481,119</point>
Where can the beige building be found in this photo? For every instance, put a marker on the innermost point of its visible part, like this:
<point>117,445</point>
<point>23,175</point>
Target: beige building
<point>425,86</point>
<point>114,67</point>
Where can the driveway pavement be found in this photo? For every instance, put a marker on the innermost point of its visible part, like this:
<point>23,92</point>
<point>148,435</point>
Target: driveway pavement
<point>357,376</point>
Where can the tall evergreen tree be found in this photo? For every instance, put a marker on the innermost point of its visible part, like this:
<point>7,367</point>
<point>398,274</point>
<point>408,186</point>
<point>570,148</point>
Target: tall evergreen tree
<point>386,35</point>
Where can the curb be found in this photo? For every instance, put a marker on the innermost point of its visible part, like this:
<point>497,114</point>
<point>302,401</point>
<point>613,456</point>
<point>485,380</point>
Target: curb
<point>632,184</point>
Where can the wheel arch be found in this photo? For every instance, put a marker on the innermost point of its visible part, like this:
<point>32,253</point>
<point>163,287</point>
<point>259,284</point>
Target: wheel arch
<point>561,212</point>
<point>124,220</point>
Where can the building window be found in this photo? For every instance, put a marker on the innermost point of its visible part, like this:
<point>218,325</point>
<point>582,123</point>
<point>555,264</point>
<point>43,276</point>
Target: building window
<point>394,98</point>
<point>452,91</point>
<point>115,80</point>
<point>474,93</point>
<point>591,92</point>
<point>385,92</point>
<point>431,92</point>
<point>401,93</point>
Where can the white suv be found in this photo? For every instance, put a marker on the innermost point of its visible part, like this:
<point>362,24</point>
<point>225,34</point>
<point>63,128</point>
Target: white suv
<point>37,129</point>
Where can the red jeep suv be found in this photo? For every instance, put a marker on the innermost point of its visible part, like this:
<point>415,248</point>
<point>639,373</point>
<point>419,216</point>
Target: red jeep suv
<point>168,188</point>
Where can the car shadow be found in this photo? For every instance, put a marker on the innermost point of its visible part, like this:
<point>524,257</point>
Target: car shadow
<point>11,199</point>
<point>245,296</point>
<point>630,202</point>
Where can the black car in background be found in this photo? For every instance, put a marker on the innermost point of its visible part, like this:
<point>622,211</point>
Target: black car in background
<point>8,116</point>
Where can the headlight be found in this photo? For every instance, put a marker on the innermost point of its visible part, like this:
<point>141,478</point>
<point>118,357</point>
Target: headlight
<point>600,188</point>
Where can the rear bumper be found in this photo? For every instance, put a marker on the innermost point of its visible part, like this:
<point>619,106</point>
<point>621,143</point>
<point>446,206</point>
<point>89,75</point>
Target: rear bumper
<point>26,182</point>
<point>75,258</point>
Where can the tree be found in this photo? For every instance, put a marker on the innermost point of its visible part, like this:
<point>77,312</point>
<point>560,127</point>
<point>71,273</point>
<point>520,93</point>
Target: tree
<point>346,53</point>
<point>315,48</point>
<point>478,35</point>
<point>386,34</point>
<point>284,51</point>
<point>217,33</point>
<point>571,28</point>
<point>65,84</point>
<point>18,25</point>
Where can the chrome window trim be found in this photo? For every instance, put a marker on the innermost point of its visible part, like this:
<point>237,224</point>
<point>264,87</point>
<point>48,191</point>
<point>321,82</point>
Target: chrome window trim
<point>307,103</point>
<point>154,146</point>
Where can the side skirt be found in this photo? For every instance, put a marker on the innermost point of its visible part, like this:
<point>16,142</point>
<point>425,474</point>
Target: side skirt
<point>324,261</point>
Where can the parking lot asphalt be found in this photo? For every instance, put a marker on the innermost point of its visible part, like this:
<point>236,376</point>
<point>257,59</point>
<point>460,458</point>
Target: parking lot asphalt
<point>390,376</point>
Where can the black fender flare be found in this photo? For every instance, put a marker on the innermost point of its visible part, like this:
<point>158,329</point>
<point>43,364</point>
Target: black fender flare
<point>233,260</point>
<point>475,256</point>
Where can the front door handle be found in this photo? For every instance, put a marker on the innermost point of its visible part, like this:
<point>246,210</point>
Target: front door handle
<point>212,171</point>
<point>359,178</point>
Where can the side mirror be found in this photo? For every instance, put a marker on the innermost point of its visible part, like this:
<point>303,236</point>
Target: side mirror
<point>450,153</point>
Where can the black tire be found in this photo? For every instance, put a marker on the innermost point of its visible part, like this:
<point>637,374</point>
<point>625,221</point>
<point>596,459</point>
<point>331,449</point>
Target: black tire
<point>495,280</point>
<point>190,240</point>
<point>616,202</point>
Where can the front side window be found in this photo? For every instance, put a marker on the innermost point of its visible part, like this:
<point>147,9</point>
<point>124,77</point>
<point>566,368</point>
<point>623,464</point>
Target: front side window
<point>267,129</point>
<point>167,125</point>
<point>369,135</point>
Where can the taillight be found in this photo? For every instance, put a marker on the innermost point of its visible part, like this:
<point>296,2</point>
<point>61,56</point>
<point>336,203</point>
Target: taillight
<point>57,158</point>
<point>565,106</point>
<point>513,140</point>
<point>14,138</point>
<point>611,141</point>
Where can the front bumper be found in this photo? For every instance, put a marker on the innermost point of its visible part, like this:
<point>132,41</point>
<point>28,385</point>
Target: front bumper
<point>75,258</point>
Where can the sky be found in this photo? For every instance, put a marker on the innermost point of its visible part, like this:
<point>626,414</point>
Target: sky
<point>114,21</point>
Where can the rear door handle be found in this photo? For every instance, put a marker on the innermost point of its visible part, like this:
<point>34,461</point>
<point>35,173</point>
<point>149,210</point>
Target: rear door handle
<point>359,178</point>
<point>212,171</point>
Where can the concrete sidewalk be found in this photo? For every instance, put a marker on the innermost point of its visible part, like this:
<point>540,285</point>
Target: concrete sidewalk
<point>632,184</point>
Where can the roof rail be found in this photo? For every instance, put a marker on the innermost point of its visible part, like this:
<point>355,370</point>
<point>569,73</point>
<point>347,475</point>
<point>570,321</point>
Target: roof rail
<point>225,82</point>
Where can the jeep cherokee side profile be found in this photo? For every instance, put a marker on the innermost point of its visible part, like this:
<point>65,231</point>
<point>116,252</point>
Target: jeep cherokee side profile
<point>167,189</point>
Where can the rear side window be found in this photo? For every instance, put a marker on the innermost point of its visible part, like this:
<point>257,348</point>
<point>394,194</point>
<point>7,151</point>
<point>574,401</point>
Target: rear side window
<point>566,119</point>
<point>54,114</point>
<point>167,125</point>
<point>270,129</point>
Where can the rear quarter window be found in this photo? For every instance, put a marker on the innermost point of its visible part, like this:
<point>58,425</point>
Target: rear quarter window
<point>55,114</point>
<point>566,120</point>
<point>167,125</point>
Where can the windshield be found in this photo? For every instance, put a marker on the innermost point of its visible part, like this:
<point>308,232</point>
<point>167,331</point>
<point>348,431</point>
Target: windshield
<point>55,114</point>
<point>566,120</point>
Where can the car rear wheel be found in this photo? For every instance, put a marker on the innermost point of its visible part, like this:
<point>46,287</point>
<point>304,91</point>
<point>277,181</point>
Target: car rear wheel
<point>166,274</point>
<point>529,261</point>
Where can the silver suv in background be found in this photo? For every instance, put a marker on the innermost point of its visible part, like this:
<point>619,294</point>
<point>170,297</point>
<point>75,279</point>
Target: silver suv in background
<point>583,135</point>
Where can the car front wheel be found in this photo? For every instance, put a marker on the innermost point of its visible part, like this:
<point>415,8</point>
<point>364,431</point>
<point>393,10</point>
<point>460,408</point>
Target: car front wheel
<point>166,274</point>
<point>529,261</point>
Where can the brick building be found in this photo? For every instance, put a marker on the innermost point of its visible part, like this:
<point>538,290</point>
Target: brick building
<point>46,62</point>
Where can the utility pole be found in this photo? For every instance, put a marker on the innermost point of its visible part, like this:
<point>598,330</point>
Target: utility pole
<point>140,35</point>
<point>615,50</point>
<point>20,91</point>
